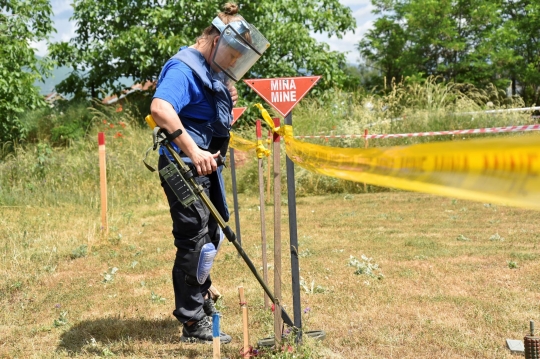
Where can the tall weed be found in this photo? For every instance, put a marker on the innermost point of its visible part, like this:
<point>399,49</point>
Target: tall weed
<point>44,174</point>
<point>62,167</point>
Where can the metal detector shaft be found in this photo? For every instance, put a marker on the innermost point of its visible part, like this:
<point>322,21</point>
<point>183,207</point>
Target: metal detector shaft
<point>221,222</point>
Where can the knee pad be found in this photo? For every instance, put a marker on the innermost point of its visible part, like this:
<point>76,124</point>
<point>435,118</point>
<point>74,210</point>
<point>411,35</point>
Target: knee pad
<point>197,261</point>
<point>206,260</point>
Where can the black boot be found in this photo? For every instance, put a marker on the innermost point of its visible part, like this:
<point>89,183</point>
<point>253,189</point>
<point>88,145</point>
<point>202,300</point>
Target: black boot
<point>209,307</point>
<point>201,332</point>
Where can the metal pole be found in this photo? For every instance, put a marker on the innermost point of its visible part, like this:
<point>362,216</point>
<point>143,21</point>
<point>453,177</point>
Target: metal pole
<point>295,268</point>
<point>235,198</point>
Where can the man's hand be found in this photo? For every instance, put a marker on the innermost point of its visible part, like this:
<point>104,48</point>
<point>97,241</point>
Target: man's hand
<point>234,94</point>
<point>204,161</point>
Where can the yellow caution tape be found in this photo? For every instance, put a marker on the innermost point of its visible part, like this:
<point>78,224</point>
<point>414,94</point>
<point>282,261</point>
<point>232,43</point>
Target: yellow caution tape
<point>496,170</point>
<point>493,170</point>
<point>261,150</point>
<point>266,117</point>
<point>246,145</point>
<point>241,144</point>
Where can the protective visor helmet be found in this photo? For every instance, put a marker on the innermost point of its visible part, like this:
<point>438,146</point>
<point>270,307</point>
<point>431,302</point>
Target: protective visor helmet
<point>240,45</point>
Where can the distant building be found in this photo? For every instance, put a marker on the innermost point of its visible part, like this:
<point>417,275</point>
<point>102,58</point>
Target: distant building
<point>53,97</point>
<point>147,86</point>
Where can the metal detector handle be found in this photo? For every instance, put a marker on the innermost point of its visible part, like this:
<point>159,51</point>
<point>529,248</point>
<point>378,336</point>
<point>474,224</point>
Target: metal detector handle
<point>221,222</point>
<point>220,160</point>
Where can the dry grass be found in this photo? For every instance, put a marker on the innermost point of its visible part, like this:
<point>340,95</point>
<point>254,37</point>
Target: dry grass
<point>459,277</point>
<point>448,290</point>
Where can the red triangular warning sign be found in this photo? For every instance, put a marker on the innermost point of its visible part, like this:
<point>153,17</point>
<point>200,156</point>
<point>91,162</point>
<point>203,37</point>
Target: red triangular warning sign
<point>283,93</point>
<point>236,113</point>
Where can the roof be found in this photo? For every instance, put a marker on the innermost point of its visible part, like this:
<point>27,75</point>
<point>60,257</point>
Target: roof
<point>147,86</point>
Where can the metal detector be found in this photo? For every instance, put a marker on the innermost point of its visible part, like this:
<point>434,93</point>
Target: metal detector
<point>184,194</point>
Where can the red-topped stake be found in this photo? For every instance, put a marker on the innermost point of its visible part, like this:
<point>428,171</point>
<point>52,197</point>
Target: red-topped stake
<point>101,138</point>
<point>283,93</point>
<point>258,129</point>
<point>276,124</point>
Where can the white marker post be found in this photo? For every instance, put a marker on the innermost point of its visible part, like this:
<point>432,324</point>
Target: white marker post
<point>103,183</point>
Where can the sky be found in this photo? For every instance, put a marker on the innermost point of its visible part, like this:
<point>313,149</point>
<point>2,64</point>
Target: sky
<point>361,10</point>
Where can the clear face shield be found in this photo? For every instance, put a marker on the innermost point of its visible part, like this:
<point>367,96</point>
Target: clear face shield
<point>240,45</point>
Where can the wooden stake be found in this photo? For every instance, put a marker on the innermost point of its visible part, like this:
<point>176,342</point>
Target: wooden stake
<point>246,352</point>
<point>216,337</point>
<point>263,218</point>
<point>365,146</point>
<point>103,183</point>
<point>277,238</point>
<point>269,168</point>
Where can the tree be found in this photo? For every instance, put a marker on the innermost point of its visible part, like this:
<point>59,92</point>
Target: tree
<point>517,47</point>
<point>134,38</point>
<point>446,38</point>
<point>21,22</point>
<point>383,48</point>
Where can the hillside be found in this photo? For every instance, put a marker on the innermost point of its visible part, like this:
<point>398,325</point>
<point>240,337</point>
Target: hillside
<point>58,74</point>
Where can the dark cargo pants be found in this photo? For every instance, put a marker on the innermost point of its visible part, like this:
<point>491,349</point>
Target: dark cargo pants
<point>192,228</point>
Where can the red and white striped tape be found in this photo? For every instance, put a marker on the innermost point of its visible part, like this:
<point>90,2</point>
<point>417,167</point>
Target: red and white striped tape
<point>488,112</point>
<point>332,136</point>
<point>521,109</point>
<point>520,128</point>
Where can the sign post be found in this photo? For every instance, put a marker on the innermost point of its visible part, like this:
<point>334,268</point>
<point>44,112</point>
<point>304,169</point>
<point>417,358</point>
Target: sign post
<point>237,112</point>
<point>295,265</point>
<point>283,94</point>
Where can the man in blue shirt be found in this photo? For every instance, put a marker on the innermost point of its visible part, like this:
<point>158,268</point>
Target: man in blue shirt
<point>193,102</point>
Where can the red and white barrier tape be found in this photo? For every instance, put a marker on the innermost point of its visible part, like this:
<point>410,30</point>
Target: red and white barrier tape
<point>520,128</point>
<point>487,112</point>
<point>522,109</point>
